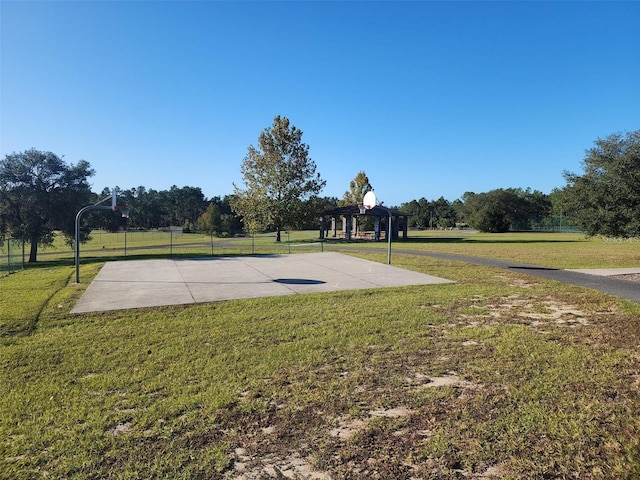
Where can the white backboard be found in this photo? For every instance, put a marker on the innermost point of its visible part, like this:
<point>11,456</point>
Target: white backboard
<point>369,200</point>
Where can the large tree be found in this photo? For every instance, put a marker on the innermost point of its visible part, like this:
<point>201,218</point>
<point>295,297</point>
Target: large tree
<point>420,213</point>
<point>279,179</point>
<point>605,200</point>
<point>507,209</point>
<point>357,189</point>
<point>40,193</point>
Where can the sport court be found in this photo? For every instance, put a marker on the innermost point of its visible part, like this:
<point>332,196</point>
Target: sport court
<point>151,283</point>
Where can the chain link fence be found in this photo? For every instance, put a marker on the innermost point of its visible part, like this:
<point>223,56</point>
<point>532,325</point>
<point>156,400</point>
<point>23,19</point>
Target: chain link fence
<point>172,242</point>
<point>12,256</point>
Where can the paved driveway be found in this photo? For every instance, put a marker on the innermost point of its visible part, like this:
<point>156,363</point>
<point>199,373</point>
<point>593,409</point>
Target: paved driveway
<point>150,283</point>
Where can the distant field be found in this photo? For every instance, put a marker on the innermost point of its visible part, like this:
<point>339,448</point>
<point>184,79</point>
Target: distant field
<point>558,250</point>
<point>500,375</point>
<point>118,246</point>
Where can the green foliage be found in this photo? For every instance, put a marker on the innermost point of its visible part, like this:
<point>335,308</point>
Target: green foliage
<point>152,209</point>
<point>211,220</point>
<point>156,209</point>
<point>502,210</point>
<point>218,220</point>
<point>40,193</point>
<point>279,179</point>
<point>430,214</point>
<point>605,200</point>
<point>357,189</point>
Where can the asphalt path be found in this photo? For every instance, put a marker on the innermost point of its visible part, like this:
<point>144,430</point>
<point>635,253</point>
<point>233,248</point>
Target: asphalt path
<point>626,289</point>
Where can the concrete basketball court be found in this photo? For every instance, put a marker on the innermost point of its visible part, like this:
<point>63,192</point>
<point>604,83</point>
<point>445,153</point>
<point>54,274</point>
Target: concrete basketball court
<point>152,283</point>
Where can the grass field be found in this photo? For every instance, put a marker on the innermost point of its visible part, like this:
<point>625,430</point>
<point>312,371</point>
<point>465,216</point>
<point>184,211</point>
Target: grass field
<point>559,250</point>
<point>499,375</point>
<point>143,244</point>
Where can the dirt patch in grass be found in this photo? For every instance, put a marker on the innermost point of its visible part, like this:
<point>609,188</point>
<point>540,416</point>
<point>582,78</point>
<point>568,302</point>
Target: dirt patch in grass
<point>484,392</point>
<point>496,376</point>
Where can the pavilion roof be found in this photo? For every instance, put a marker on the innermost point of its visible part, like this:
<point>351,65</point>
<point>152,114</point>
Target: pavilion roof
<point>354,210</point>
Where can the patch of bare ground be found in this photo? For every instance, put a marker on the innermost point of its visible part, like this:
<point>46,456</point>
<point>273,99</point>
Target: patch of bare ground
<point>423,414</point>
<point>382,442</point>
<point>604,324</point>
<point>270,466</point>
<point>520,309</point>
<point>121,429</point>
<point>451,379</point>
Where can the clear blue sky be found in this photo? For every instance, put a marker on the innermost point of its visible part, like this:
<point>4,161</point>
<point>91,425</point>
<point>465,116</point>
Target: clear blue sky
<point>430,99</point>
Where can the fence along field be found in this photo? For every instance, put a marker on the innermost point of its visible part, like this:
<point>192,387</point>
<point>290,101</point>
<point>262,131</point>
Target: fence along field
<point>559,250</point>
<point>171,241</point>
<point>12,256</point>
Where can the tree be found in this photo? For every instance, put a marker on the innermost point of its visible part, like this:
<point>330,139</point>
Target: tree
<point>40,193</point>
<point>444,215</point>
<point>218,219</point>
<point>279,178</point>
<point>355,196</point>
<point>211,221</point>
<point>605,200</point>
<point>357,188</point>
<point>102,219</point>
<point>420,213</point>
<point>435,214</point>
<point>185,205</point>
<point>502,210</point>
<point>150,208</point>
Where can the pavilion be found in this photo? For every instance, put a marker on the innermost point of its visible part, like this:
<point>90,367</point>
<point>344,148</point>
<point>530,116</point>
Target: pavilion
<point>350,228</point>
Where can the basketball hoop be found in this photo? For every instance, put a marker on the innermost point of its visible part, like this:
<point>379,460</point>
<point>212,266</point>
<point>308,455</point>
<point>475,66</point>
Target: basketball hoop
<point>123,209</point>
<point>369,201</point>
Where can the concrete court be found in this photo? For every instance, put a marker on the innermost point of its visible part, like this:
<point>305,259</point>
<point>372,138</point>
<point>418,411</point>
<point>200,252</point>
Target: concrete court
<point>151,283</point>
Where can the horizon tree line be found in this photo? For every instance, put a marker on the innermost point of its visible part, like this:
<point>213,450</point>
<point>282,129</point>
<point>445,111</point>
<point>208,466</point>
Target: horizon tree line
<point>41,194</point>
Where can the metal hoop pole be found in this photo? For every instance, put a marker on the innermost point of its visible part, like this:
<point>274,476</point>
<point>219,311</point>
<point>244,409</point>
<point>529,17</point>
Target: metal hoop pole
<point>77,236</point>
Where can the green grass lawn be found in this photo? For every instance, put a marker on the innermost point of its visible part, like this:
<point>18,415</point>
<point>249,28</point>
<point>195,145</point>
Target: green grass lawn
<point>499,375</point>
<point>558,250</point>
<point>134,244</point>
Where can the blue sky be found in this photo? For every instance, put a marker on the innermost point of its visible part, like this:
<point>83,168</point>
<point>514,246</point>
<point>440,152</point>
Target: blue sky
<point>430,99</point>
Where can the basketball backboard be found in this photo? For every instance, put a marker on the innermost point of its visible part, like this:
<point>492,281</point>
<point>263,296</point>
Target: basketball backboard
<point>369,200</point>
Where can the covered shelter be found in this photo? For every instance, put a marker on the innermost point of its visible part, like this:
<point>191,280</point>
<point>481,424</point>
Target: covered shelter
<point>351,228</point>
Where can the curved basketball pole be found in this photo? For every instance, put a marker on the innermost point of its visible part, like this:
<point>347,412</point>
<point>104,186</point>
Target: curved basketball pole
<point>124,211</point>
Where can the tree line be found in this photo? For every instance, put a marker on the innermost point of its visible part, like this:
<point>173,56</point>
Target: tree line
<point>500,210</point>
<point>185,207</point>
<point>188,208</point>
<point>41,194</point>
